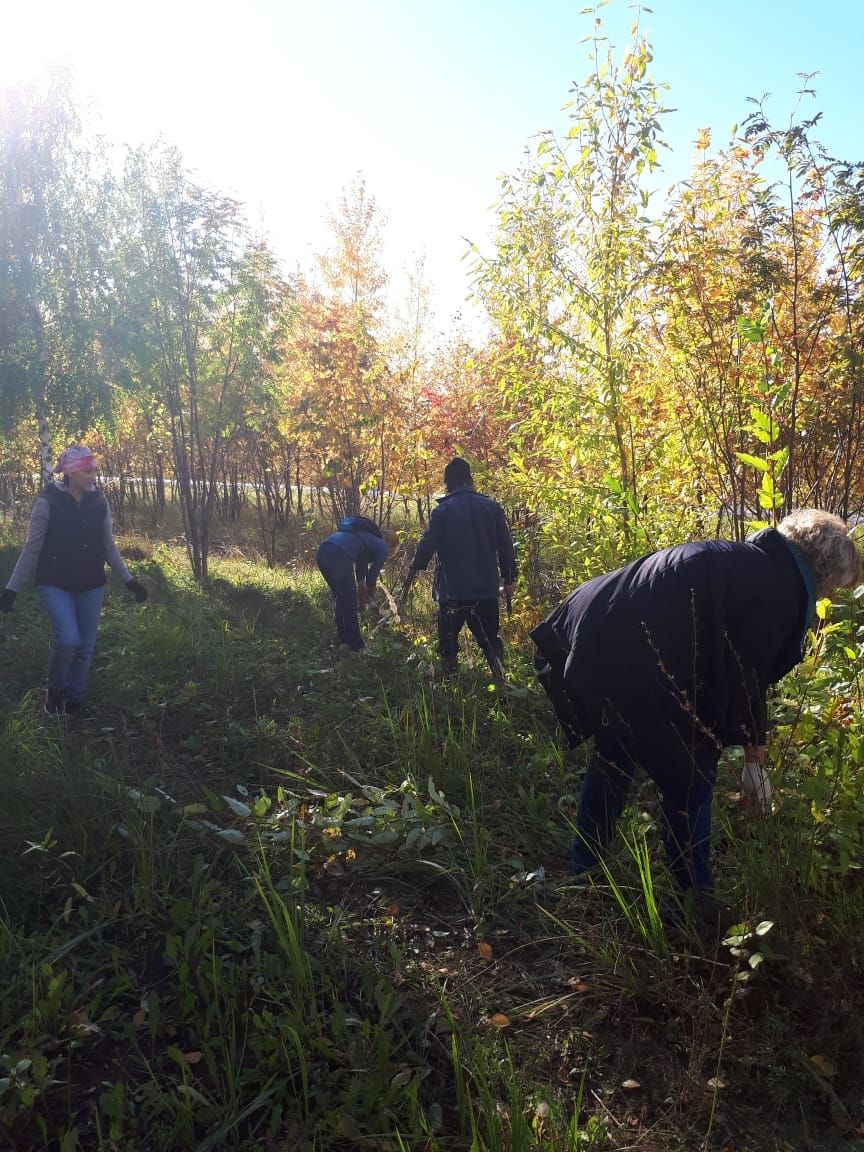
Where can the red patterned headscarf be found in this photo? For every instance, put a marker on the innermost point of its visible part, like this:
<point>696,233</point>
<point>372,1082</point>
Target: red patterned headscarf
<point>76,458</point>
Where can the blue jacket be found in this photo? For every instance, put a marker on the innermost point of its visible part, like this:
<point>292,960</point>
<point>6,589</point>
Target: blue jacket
<point>367,550</point>
<point>470,536</point>
<point>691,636</point>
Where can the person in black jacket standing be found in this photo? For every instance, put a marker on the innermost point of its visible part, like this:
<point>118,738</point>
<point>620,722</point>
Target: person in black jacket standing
<point>668,660</point>
<point>469,535</point>
<point>69,541</point>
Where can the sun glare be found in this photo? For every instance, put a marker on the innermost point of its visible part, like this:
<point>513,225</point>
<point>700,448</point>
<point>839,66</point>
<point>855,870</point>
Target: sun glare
<point>86,35</point>
<point>34,37</point>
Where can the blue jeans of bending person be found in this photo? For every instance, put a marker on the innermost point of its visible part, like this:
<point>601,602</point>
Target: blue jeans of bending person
<point>686,823</point>
<point>337,568</point>
<point>74,620</point>
<point>680,760</point>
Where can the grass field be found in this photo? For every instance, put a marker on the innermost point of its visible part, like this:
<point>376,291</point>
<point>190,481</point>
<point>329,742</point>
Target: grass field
<point>270,896</point>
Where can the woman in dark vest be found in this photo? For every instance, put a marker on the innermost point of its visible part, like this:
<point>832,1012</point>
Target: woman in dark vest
<point>69,541</point>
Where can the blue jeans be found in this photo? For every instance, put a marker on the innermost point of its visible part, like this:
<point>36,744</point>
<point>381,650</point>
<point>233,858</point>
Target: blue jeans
<point>74,618</point>
<point>681,762</point>
<point>337,568</point>
<point>686,820</point>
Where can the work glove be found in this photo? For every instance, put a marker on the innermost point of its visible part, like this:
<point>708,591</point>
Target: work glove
<point>7,599</point>
<point>756,782</point>
<point>137,590</point>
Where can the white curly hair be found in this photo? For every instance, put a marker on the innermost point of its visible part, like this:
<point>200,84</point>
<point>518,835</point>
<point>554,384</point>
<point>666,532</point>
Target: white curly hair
<point>827,546</point>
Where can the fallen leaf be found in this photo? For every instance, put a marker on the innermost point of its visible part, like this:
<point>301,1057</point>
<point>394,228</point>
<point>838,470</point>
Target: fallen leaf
<point>140,1017</point>
<point>485,949</point>
<point>401,1078</point>
<point>81,1026</point>
<point>823,1065</point>
<point>499,1020</point>
<point>840,1117</point>
<point>193,1057</point>
<point>576,984</point>
<point>631,1085</point>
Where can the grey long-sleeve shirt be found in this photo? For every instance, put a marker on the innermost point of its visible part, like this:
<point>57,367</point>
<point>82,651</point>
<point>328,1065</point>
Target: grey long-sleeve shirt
<point>36,530</point>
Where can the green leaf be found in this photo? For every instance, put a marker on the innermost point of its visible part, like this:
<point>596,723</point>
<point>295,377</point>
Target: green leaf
<point>753,461</point>
<point>388,836</point>
<point>780,458</point>
<point>176,1055</point>
<point>212,799</point>
<point>238,807</point>
<point>750,330</point>
<point>69,1143</point>
<point>736,939</point>
<point>761,419</point>
<point>232,835</point>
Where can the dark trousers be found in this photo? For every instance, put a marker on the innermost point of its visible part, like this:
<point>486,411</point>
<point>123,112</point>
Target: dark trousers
<point>683,765</point>
<point>481,616</point>
<point>551,676</point>
<point>686,820</point>
<point>337,568</point>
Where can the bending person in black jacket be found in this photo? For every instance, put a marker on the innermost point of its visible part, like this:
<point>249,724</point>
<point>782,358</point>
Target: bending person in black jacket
<point>350,560</point>
<point>668,660</point>
<point>69,541</point>
<point>470,537</point>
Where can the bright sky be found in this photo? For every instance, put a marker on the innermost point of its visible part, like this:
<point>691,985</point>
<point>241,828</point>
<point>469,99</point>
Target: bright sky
<point>282,103</point>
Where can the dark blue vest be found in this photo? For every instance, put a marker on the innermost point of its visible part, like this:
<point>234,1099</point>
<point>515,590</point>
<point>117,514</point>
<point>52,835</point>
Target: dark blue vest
<point>73,552</point>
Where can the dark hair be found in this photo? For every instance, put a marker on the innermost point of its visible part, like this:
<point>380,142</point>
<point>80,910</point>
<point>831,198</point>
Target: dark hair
<point>457,474</point>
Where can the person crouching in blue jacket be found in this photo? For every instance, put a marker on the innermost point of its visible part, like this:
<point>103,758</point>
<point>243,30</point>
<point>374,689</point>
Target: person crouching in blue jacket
<point>350,560</point>
<point>469,535</point>
<point>668,660</point>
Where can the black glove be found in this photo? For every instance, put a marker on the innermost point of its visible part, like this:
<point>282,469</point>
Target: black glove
<point>7,599</point>
<point>137,590</point>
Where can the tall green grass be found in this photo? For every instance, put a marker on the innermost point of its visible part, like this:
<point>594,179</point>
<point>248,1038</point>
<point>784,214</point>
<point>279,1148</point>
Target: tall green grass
<point>271,897</point>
